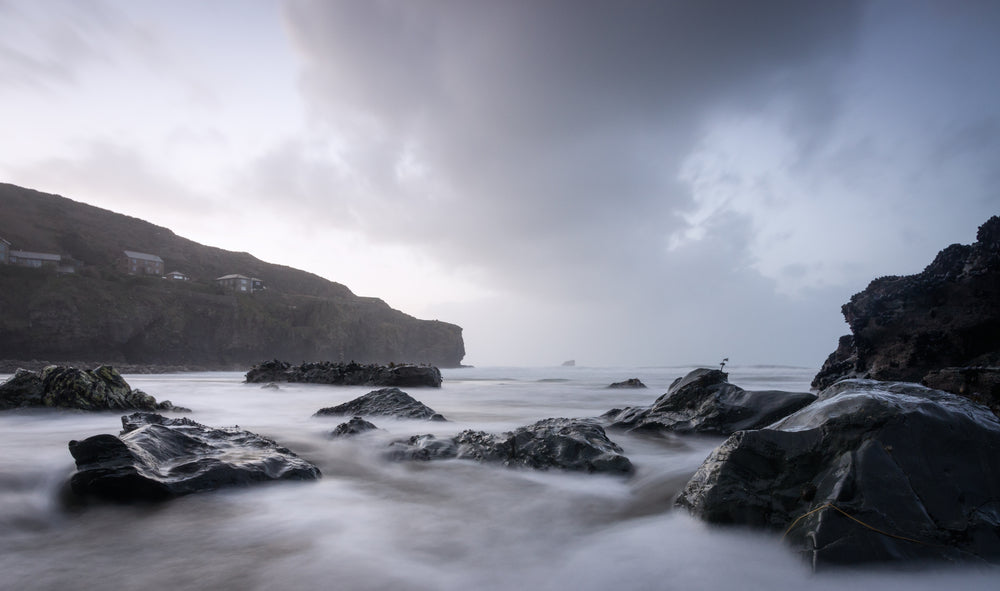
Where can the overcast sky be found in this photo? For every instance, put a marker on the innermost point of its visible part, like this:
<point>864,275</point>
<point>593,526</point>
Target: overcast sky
<point>619,183</point>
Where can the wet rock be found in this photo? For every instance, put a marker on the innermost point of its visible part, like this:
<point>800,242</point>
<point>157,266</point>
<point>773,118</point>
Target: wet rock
<point>57,386</point>
<point>566,444</point>
<point>355,426</point>
<point>704,402</point>
<point>270,386</point>
<point>979,384</point>
<point>346,374</point>
<point>629,383</point>
<point>156,458</point>
<point>870,472</point>
<point>386,401</point>
<point>904,328</point>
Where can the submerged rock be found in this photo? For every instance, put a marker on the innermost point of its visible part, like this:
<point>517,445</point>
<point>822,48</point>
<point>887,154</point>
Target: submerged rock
<point>629,383</point>
<point>704,402</point>
<point>156,458</point>
<point>870,472</point>
<point>355,426</point>
<point>57,386</point>
<point>386,401</point>
<point>567,444</point>
<point>346,374</point>
<point>905,328</point>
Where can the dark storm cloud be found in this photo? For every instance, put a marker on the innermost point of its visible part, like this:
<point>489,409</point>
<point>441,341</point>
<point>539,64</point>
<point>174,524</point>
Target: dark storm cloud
<point>556,128</point>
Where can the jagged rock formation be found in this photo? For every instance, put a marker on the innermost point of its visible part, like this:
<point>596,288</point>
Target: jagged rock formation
<point>871,471</point>
<point>101,315</point>
<point>156,458</point>
<point>704,401</point>
<point>566,444</point>
<point>948,316</point>
<point>102,388</point>
<point>387,402</point>
<point>346,374</point>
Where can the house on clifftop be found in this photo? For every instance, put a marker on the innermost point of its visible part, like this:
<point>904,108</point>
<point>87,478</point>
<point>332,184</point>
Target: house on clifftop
<point>141,263</point>
<point>177,276</point>
<point>37,260</point>
<point>240,283</point>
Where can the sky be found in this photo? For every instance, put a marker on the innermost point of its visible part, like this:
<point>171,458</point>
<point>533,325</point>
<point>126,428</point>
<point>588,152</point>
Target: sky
<point>618,183</point>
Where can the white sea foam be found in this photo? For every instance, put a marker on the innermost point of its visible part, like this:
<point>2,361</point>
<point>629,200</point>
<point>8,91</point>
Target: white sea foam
<point>373,524</point>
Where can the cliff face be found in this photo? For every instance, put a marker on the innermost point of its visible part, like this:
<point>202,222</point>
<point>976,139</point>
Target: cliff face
<point>904,328</point>
<point>99,314</point>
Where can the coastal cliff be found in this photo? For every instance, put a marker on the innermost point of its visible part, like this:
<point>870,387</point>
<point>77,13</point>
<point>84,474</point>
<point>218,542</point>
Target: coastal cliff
<point>100,313</point>
<point>940,327</point>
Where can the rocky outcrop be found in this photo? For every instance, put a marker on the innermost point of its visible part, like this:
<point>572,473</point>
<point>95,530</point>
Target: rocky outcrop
<point>55,386</point>
<point>156,458</point>
<point>386,401</point>
<point>629,383</point>
<point>871,471</point>
<point>566,444</point>
<point>704,401</point>
<point>346,374</point>
<point>355,426</point>
<point>904,328</point>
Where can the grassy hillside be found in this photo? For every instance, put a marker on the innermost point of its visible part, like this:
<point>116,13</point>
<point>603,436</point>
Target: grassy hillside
<point>101,314</point>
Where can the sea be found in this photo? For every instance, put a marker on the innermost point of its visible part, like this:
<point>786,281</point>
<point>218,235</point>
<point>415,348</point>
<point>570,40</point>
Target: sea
<point>375,524</point>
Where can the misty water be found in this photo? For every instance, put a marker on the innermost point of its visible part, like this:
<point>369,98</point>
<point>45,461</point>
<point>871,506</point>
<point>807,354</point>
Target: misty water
<point>374,524</point>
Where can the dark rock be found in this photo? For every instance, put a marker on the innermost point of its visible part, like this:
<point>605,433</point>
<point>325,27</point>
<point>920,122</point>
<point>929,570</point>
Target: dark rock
<point>156,458</point>
<point>354,426</point>
<point>979,384</point>
<point>346,374</point>
<point>947,316</point>
<point>387,401</point>
<point>870,472</point>
<point>629,383</point>
<point>567,444</point>
<point>57,386</point>
<point>704,402</point>
<point>270,386</point>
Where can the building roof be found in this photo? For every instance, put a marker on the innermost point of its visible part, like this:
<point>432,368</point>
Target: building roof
<point>4,241</point>
<point>41,256</point>
<point>234,276</point>
<point>143,256</point>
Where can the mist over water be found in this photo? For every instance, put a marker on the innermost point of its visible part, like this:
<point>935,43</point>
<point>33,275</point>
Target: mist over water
<point>374,524</point>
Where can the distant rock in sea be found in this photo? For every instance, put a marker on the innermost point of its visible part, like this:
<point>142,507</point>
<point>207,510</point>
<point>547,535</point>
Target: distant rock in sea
<point>704,401</point>
<point>570,363</point>
<point>57,386</point>
<point>629,383</point>
<point>940,326</point>
<point>346,374</point>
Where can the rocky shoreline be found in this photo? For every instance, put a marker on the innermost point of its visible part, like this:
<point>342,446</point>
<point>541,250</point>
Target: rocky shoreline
<point>10,366</point>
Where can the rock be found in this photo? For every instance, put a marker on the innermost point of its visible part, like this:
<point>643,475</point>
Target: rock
<point>355,426</point>
<point>979,384</point>
<point>270,386</point>
<point>567,444</point>
<point>346,374</point>
<point>629,383</point>
<point>569,363</point>
<point>57,386</point>
<point>23,389</point>
<point>704,402</point>
<point>870,472</point>
<point>904,328</point>
<point>156,458</point>
<point>386,401</point>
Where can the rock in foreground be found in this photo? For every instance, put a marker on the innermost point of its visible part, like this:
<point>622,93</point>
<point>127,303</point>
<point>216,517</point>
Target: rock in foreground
<point>567,444</point>
<point>387,401</point>
<point>346,374</point>
<point>904,328</point>
<point>68,387</point>
<point>156,458</point>
<point>870,472</point>
<point>704,402</point>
